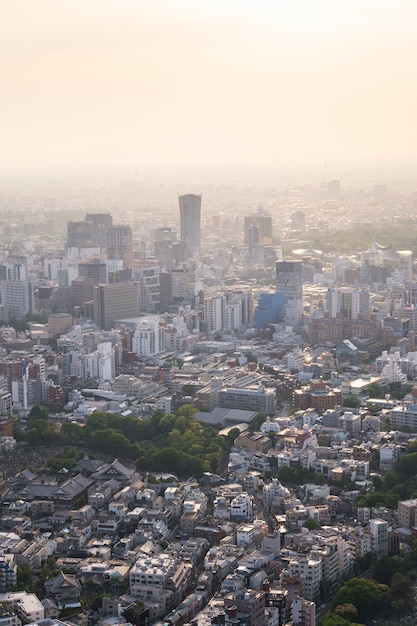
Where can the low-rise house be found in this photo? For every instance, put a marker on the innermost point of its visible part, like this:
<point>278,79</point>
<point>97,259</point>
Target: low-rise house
<point>63,588</point>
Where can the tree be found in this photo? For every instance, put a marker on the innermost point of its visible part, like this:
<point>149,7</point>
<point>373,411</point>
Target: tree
<point>348,611</point>
<point>352,402</point>
<point>310,523</point>
<point>188,390</point>
<point>258,420</point>
<point>376,391</point>
<point>401,592</point>
<point>331,619</point>
<point>367,596</point>
<point>384,570</point>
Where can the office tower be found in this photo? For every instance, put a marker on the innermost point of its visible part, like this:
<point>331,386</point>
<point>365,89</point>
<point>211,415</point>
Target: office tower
<point>333,188</point>
<point>190,221</point>
<point>165,291</point>
<point>101,222</point>
<point>289,281</point>
<point>213,313</point>
<point>14,269</point>
<point>298,220</point>
<point>94,269</point>
<point>165,233</point>
<point>147,273</point>
<point>17,297</point>
<point>245,298</point>
<point>348,303</point>
<point>163,239</point>
<point>120,245</point>
<point>177,288</point>
<point>254,236</point>
<point>263,220</point>
<point>179,252</point>
<point>115,301</point>
<point>80,234</point>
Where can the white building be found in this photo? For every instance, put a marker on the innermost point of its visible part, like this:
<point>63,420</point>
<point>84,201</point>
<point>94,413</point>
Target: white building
<point>241,507</point>
<point>148,339</point>
<point>214,313</point>
<point>28,606</point>
<point>379,531</point>
<point>310,570</point>
<point>232,315</point>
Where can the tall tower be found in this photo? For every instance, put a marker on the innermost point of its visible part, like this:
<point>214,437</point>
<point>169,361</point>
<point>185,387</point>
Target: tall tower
<point>190,220</point>
<point>289,281</point>
<point>120,245</point>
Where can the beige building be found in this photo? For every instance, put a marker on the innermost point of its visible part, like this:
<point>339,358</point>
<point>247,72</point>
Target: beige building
<point>407,513</point>
<point>115,301</point>
<point>59,323</point>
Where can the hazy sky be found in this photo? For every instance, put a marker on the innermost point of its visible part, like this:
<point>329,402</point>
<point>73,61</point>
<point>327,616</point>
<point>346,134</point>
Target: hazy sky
<point>102,84</point>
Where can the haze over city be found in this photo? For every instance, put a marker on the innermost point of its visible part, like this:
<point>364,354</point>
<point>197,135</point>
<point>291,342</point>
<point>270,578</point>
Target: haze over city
<point>134,86</point>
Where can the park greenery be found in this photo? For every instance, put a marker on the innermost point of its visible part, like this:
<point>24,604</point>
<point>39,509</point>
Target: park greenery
<point>401,236</point>
<point>399,483</point>
<point>173,442</point>
<point>389,591</point>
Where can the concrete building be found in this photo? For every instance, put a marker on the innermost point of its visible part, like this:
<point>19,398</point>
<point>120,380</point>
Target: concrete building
<point>245,606</point>
<point>259,399</point>
<point>17,296</point>
<point>310,571</point>
<point>115,301</point>
<point>120,245</point>
<point>59,323</point>
<point>147,273</point>
<point>190,221</point>
<point>379,531</point>
<point>214,307</point>
<point>289,281</point>
<point>148,339</point>
<point>407,513</point>
<point>263,221</point>
<point>347,302</point>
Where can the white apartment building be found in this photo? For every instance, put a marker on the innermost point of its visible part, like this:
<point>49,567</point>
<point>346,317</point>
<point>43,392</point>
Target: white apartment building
<point>245,534</point>
<point>148,339</point>
<point>379,531</point>
<point>310,570</point>
<point>241,507</point>
<point>232,315</point>
<point>28,606</point>
<point>213,309</point>
<point>150,571</point>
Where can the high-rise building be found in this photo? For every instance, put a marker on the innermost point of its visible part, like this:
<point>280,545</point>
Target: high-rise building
<point>115,301</point>
<point>348,303</point>
<point>120,245</point>
<point>263,221</point>
<point>190,221</point>
<point>17,296</point>
<point>147,273</point>
<point>379,532</point>
<point>101,222</point>
<point>149,338</point>
<point>289,281</point>
<point>213,313</point>
<point>80,234</point>
<point>93,269</point>
<point>298,220</point>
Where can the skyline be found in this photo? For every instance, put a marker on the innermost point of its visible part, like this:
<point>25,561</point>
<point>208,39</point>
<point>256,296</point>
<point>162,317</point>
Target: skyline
<point>191,84</point>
